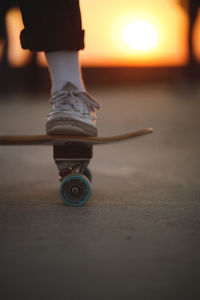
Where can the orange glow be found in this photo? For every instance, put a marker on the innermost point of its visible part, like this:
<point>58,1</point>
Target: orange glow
<point>106,22</point>
<point>16,55</point>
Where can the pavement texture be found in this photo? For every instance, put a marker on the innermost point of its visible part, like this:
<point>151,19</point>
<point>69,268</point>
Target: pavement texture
<point>138,237</point>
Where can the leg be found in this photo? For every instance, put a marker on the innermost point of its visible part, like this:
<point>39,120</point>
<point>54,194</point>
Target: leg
<point>56,29</point>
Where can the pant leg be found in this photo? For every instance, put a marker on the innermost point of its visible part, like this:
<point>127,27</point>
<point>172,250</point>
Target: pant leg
<point>51,25</point>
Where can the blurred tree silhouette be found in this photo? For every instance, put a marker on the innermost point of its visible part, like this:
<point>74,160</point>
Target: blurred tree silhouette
<point>191,7</point>
<point>30,78</point>
<point>4,7</point>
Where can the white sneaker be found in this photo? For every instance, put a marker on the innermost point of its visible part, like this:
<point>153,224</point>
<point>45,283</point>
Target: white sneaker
<point>72,112</point>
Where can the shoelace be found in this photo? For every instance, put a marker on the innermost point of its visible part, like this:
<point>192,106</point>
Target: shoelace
<point>72,97</point>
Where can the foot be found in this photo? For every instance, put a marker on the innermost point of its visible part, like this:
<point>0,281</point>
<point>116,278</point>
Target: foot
<point>72,113</point>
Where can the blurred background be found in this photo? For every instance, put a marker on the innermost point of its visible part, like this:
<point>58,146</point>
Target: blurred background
<point>126,42</point>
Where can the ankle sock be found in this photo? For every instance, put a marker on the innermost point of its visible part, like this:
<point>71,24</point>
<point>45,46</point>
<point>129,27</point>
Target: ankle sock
<point>64,66</point>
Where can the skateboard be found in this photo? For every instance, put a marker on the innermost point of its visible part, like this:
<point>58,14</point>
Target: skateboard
<point>72,155</point>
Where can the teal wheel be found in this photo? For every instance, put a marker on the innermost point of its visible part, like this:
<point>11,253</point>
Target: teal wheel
<point>75,189</point>
<point>88,174</point>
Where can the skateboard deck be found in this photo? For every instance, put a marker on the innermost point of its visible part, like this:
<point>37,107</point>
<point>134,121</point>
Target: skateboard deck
<point>63,139</point>
<point>72,155</point>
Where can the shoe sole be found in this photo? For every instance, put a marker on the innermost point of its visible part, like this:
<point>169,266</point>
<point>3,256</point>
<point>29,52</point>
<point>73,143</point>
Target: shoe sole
<point>71,127</point>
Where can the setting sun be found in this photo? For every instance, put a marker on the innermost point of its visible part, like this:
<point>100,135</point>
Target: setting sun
<point>140,35</point>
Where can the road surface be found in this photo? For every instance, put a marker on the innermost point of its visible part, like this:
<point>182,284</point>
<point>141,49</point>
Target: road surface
<point>138,237</point>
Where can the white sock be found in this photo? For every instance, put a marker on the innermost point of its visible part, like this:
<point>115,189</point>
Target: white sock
<point>64,66</point>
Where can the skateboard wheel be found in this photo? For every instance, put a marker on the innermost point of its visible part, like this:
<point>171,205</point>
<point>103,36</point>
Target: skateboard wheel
<point>75,190</point>
<point>88,174</point>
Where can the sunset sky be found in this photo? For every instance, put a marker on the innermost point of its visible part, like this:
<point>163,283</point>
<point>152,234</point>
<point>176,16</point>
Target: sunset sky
<point>125,33</point>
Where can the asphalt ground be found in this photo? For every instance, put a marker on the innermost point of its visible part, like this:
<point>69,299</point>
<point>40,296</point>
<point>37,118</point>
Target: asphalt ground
<point>138,237</point>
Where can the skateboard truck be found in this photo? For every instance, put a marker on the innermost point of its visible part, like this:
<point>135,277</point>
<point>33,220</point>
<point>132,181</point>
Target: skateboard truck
<point>72,157</point>
<point>72,160</point>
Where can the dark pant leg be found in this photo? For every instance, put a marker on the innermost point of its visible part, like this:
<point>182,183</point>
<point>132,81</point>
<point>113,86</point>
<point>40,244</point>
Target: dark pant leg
<point>51,25</point>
